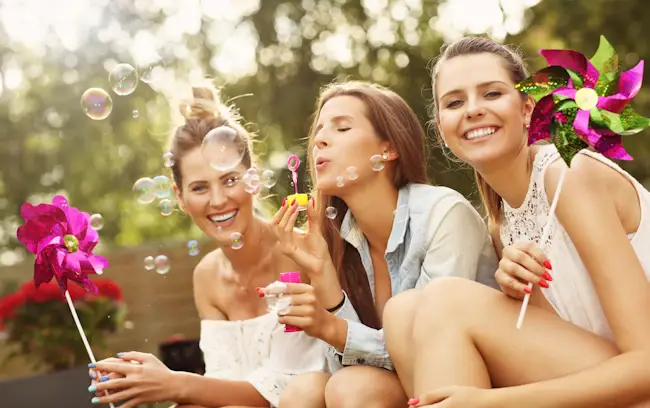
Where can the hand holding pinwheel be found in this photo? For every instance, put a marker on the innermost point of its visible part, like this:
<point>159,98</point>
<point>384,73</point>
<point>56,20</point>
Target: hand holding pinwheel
<point>62,239</point>
<point>582,103</point>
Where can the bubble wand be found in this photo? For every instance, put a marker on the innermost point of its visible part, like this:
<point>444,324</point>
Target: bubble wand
<point>62,239</point>
<point>302,199</point>
<point>582,103</point>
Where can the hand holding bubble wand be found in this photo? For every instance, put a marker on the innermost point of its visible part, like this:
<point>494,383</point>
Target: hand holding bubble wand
<point>582,103</point>
<point>62,239</point>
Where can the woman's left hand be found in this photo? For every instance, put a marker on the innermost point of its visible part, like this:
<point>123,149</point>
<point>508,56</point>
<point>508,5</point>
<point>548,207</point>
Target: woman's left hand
<point>305,311</point>
<point>145,380</point>
<point>454,397</point>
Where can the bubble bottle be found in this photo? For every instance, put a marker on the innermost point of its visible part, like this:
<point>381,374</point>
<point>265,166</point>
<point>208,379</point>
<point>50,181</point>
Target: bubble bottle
<point>302,199</point>
<point>290,277</point>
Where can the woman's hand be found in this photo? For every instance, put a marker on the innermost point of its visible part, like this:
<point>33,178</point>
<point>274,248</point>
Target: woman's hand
<point>308,250</point>
<point>520,265</point>
<point>137,378</point>
<point>305,311</point>
<point>454,397</point>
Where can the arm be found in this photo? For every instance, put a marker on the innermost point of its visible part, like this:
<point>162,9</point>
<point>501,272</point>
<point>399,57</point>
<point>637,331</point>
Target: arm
<point>460,245</point>
<point>589,216</point>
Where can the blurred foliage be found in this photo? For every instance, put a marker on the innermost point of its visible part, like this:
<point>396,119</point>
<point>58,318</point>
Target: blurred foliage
<point>49,145</point>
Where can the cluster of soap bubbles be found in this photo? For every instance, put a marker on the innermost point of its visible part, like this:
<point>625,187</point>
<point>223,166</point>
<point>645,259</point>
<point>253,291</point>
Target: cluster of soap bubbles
<point>123,79</point>
<point>160,263</point>
<point>148,189</point>
<point>254,181</point>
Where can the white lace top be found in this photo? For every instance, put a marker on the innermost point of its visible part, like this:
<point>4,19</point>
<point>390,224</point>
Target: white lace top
<point>572,292</point>
<point>260,352</point>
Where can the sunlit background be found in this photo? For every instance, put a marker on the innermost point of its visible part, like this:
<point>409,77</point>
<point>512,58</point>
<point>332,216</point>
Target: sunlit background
<point>269,58</point>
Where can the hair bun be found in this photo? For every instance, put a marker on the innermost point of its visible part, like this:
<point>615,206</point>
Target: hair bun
<point>204,104</point>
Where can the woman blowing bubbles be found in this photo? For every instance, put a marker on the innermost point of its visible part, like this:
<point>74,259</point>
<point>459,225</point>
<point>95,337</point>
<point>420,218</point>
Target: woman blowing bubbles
<point>586,338</point>
<point>249,359</point>
<point>386,232</point>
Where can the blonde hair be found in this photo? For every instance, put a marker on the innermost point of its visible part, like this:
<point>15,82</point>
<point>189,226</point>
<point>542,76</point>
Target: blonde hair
<point>201,114</point>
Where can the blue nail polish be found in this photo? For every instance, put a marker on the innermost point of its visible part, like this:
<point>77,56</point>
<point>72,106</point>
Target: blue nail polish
<point>95,400</point>
<point>120,354</point>
<point>92,388</point>
<point>104,378</point>
<point>92,365</point>
<point>92,375</point>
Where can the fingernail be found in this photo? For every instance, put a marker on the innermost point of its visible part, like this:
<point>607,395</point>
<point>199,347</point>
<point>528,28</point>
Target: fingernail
<point>93,376</point>
<point>92,365</point>
<point>104,378</point>
<point>547,264</point>
<point>528,290</point>
<point>260,292</point>
<point>414,401</point>
<point>313,203</point>
<point>120,354</point>
<point>95,400</point>
<point>284,201</point>
<point>547,276</point>
<point>543,283</point>
<point>294,202</point>
<point>92,388</point>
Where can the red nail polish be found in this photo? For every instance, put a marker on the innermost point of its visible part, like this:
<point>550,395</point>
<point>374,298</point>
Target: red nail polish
<point>547,265</point>
<point>294,202</point>
<point>260,292</point>
<point>414,401</point>
<point>284,201</point>
<point>543,283</point>
<point>547,276</point>
<point>313,202</point>
<point>528,290</point>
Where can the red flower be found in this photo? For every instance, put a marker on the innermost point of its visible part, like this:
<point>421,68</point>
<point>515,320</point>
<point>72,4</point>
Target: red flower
<point>9,304</point>
<point>109,289</point>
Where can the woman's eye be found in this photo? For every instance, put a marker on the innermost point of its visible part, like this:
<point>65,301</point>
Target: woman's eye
<point>453,104</point>
<point>343,129</point>
<point>198,188</point>
<point>493,94</point>
<point>231,181</point>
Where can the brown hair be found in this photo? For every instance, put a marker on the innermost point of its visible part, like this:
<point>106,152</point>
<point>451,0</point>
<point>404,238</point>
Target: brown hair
<point>393,120</point>
<point>202,114</point>
<point>518,72</point>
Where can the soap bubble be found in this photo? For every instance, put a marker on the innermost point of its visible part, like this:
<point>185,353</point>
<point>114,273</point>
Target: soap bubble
<point>339,181</point>
<point>166,207</point>
<point>162,264</point>
<point>193,247</point>
<point>135,113</point>
<point>377,162</point>
<point>351,173</point>
<point>149,263</point>
<point>96,222</point>
<point>223,148</point>
<point>151,72</point>
<point>96,103</point>
<point>163,186</point>
<point>330,212</point>
<point>268,178</point>
<point>123,79</point>
<point>236,240</point>
<point>145,189</point>
<point>252,182</point>
<point>168,159</point>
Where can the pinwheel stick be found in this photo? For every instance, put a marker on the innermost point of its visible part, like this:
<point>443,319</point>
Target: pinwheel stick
<point>77,322</point>
<point>542,242</point>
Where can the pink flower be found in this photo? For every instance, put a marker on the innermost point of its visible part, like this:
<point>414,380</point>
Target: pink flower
<point>61,238</point>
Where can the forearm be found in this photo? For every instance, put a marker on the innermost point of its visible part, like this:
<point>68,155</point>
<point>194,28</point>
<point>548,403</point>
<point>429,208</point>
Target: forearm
<point>215,393</point>
<point>621,381</point>
<point>327,287</point>
<point>336,334</point>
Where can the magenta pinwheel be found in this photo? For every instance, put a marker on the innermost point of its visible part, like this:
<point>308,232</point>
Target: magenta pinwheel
<point>62,239</point>
<point>584,102</point>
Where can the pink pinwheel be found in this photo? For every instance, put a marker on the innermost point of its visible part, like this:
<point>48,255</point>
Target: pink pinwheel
<point>62,239</point>
<point>585,102</point>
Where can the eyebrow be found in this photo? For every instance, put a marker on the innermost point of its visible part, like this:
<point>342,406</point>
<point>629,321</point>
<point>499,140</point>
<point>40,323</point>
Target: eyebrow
<point>229,174</point>
<point>336,118</point>
<point>481,85</point>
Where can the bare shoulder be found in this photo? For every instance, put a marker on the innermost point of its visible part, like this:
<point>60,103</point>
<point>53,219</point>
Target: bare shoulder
<point>585,172</point>
<point>206,275</point>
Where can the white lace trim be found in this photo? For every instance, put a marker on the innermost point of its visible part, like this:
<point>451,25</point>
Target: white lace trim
<point>525,223</point>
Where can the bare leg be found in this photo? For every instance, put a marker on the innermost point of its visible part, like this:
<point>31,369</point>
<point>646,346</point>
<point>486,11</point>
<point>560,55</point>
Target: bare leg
<point>399,315</point>
<point>305,391</point>
<point>464,334</point>
<point>364,386</point>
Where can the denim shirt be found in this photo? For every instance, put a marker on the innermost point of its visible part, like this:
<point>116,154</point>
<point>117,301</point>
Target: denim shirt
<point>436,232</point>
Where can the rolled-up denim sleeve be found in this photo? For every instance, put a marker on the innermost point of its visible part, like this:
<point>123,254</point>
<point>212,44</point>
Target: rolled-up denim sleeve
<point>363,345</point>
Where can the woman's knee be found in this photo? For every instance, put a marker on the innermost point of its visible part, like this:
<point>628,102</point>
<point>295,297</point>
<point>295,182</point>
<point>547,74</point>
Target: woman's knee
<point>364,386</point>
<point>305,391</point>
<point>398,317</point>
